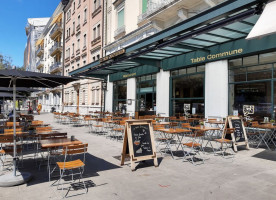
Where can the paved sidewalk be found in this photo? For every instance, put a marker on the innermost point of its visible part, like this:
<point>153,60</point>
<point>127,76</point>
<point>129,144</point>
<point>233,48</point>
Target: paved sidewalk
<point>252,175</point>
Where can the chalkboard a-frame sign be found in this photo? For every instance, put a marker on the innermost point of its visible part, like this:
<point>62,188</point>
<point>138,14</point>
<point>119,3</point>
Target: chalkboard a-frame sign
<point>139,142</point>
<point>239,136</point>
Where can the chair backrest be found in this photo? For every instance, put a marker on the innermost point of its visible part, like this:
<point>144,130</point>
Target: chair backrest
<point>11,130</point>
<point>37,122</point>
<point>52,136</point>
<point>227,131</point>
<point>254,123</point>
<point>11,123</point>
<point>43,129</point>
<point>185,125</point>
<point>76,149</point>
<point>158,127</point>
<point>6,139</point>
<point>172,118</point>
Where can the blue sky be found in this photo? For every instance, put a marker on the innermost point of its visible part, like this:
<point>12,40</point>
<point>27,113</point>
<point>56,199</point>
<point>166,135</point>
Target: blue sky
<point>13,19</point>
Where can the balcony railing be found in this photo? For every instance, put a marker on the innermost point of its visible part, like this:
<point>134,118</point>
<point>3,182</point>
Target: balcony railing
<point>40,63</point>
<point>120,30</point>
<point>57,28</point>
<point>39,51</point>
<point>56,47</point>
<point>152,7</point>
<point>55,66</point>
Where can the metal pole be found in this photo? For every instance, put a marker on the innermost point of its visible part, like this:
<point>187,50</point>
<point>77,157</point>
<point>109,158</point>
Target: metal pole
<point>14,127</point>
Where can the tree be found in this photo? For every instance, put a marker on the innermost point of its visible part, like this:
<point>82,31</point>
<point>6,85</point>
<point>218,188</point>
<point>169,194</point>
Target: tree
<point>5,62</point>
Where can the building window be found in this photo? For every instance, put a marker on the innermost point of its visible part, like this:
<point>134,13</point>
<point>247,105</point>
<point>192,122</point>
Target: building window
<point>85,15</point>
<point>252,81</point>
<point>94,33</point>
<point>119,95</point>
<point>188,89</point>
<point>93,96</point>
<point>79,20</point>
<point>73,49</point>
<point>97,96</point>
<point>83,97</point>
<point>68,15</point>
<point>84,40</point>
<point>69,32</point>
<point>98,57</point>
<point>74,6</point>
<point>99,30</point>
<point>121,18</point>
<point>97,4</point>
<point>78,44</point>
<point>74,27</point>
<point>144,6</point>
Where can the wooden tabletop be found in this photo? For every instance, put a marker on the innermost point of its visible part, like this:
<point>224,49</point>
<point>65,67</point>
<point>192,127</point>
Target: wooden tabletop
<point>204,128</point>
<point>51,143</point>
<point>264,126</point>
<point>174,131</point>
<point>215,122</point>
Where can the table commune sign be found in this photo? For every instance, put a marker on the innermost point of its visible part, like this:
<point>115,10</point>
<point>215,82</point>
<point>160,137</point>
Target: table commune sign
<point>139,142</point>
<point>239,136</point>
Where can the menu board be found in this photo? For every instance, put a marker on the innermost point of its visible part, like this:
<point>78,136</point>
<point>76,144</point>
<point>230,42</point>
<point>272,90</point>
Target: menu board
<point>239,134</point>
<point>139,142</point>
<point>141,139</point>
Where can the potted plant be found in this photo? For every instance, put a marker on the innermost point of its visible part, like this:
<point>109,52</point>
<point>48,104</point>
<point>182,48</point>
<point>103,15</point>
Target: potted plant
<point>157,120</point>
<point>272,121</point>
<point>201,124</point>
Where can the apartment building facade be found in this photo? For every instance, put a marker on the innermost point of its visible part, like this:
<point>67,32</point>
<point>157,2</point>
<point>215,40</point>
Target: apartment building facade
<point>129,22</point>
<point>49,58</point>
<point>34,28</point>
<point>82,45</point>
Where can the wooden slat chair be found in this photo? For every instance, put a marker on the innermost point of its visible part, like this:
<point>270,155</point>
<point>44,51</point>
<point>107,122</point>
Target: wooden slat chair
<point>194,146</point>
<point>40,150</point>
<point>159,136</point>
<point>71,164</point>
<point>226,144</point>
<point>255,134</point>
<point>6,131</point>
<point>118,131</point>
<point>10,124</point>
<point>44,129</point>
<point>37,122</point>
<point>6,142</point>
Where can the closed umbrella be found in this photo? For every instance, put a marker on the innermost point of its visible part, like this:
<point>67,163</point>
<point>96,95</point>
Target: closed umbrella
<point>18,78</point>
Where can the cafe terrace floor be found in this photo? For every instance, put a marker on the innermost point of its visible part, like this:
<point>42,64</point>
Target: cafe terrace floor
<point>252,175</point>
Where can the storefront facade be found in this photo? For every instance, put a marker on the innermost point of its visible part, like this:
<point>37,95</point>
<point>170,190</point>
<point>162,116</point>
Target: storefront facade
<point>204,71</point>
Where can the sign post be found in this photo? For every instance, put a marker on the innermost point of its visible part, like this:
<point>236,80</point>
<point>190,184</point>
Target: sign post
<point>139,142</point>
<point>239,136</point>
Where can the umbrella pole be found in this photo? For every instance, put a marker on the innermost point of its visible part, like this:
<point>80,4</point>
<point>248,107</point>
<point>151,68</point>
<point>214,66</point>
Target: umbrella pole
<point>14,127</point>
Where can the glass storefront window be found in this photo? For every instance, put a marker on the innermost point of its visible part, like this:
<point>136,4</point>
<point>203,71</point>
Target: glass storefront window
<point>188,89</point>
<point>196,107</point>
<point>267,57</point>
<point>251,60</point>
<point>257,94</point>
<point>252,84</point>
<point>119,95</point>
<point>235,62</point>
<point>188,86</point>
<point>146,93</point>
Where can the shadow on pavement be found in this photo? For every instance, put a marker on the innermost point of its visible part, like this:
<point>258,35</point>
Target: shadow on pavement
<point>93,165</point>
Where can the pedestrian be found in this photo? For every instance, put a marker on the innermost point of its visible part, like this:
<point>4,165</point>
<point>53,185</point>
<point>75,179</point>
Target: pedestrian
<point>39,107</point>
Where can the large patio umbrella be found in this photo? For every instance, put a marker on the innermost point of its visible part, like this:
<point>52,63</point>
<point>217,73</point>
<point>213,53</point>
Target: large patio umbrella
<point>14,78</point>
<point>8,95</point>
